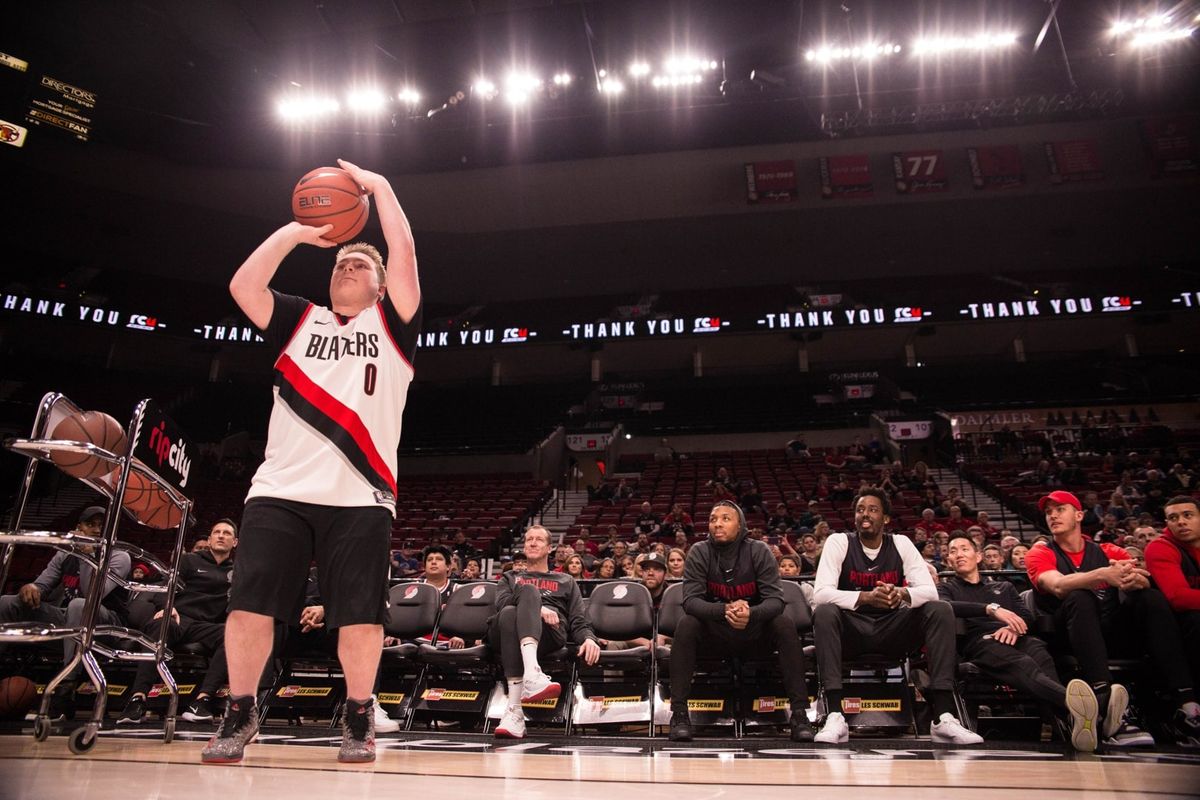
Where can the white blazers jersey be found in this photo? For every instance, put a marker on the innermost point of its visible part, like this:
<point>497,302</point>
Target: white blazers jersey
<point>340,389</point>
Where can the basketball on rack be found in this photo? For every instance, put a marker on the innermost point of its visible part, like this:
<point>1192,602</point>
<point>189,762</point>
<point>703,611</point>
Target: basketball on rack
<point>89,427</point>
<point>17,696</point>
<point>149,503</point>
<point>329,196</point>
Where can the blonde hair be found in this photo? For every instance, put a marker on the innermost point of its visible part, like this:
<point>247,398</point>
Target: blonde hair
<point>368,250</point>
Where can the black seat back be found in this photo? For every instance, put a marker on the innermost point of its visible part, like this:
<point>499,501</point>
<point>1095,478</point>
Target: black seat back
<point>468,610</point>
<point>621,610</point>
<point>670,611</point>
<point>413,610</point>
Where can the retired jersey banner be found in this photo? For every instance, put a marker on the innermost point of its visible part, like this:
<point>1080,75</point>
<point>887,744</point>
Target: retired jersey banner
<point>1073,161</point>
<point>996,167</point>
<point>771,182</point>
<point>1171,145</point>
<point>846,177</point>
<point>919,171</point>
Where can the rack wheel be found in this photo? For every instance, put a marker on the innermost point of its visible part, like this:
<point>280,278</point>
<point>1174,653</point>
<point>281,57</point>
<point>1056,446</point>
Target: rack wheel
<point>41,728</point>
<point>169,731</point>
<point>82,740</point>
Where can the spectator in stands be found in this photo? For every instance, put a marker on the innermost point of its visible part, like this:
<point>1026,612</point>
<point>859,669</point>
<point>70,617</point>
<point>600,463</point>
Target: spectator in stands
<point>33,601</point>
<point>752,499</point>
<point>885,483</point>
<point>574,567</point>
<point>1174,561</point>
<point>725,479</point>
<point>1181,480</point>
<point>954,497</point>
<point>997,623</point>
<point>664,453</point>
<point>676,557</point>
<point>519,563</point>
<point>677,522</point>
<point>861,604</point>
<point>561,554</point>
<point>581,550</point>
<point>810,554</point>
<point>841,492</point>
<point>930,522</point>
<point>993,558</point>
<point>1093,510</point>
<point>198,617</point>
<point>200,545</point>
<point>789,566</point>
<point>681,541</point>
<point>607,568</point>
<point>821,530</point>
<point>956,520</point>
<point>404,565</point>
<point>648,524</point>
<point>537,612</point>
<point>1016,558</point>
<point>455,566</point>
<point>623,491</point>
<point>1138,556</point>
<point>857,453</point>
<point>627,567</point>
<point>473,570</point>
<point>797,447</point>
<point>822,488</point>
<point>589,547</point>
<point>733,604</point>
<point>921,480</point>
<point>1143,535</point>
<point>437,558</point>
<point>835,459</point>
<point>1108,529</point>
<point>462,548</point>
<point>1155,492</point>
<point>809,517</point>
<point>606,547</point>
<point>620,549</point>
<point>642,545</point>
<point>1077,582</point>
<point>603,493</point>
<point>984,521</point>
<point>781,520</point>
<point>1118,508</point>
<point>975,532</point>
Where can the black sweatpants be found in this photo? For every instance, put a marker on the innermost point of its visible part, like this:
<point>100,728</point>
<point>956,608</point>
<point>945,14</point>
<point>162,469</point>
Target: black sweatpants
<point>1141,623</point>
<point>719,639</point>
<point>1189,629</point>
<point>522,619</point>
<point>1026,665</point>
<point>188,631</point>
<point>843,634</point>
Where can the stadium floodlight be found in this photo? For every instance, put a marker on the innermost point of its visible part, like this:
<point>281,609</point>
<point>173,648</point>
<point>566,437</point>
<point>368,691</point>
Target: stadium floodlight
<point>408,96</point>
<point>639,69</point>
<point>297,108</point>
<point>519,87</point>
<point>366,101</point>
<point>676,65</point>
<point>1151,38</point>
<point>484,88</point>
<point>562,79</point>
<point>867,51</point>
<point>979,43</point>
<point>612,86</point>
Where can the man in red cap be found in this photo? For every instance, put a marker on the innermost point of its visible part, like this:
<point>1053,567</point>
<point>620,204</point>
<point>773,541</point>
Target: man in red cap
<point>1174,562</point>
<point>1077,582</point>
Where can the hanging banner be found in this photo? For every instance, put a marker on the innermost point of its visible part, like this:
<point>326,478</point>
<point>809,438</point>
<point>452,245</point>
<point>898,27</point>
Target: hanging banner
<point>996,167</point>
<point>771,182</point>
<point>1073,161</point>
<point>846,177</point>
<point>1171,146</point>
<point>919,171</point>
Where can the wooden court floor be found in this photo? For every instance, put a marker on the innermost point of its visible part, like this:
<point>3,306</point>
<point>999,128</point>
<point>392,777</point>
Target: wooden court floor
<point>301,763</point>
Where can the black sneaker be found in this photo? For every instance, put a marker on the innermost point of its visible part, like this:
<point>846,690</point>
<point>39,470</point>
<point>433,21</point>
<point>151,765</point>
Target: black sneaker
<point>801,730</point>
<point>358,733</point>
<point>135,712</point>
<point>238,728</point>
<point>200,710</point>
<point>681,727</point>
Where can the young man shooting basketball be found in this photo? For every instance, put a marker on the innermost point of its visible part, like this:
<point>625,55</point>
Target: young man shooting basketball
<point>327,487</point>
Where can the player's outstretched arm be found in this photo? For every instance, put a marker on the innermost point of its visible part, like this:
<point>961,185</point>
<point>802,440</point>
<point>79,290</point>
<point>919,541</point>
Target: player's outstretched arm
<point>403,285</point>
<point>250,283</point>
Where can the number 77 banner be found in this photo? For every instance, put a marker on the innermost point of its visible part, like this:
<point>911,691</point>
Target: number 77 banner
<point>919,171</point>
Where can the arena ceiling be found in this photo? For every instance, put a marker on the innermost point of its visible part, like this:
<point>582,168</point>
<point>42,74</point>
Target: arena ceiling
<point>196,85</point>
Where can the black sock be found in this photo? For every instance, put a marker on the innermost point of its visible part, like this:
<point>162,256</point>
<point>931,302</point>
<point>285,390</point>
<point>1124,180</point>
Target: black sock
<point>679,705</point>
<point>942,701</point>
<point>833,701</point>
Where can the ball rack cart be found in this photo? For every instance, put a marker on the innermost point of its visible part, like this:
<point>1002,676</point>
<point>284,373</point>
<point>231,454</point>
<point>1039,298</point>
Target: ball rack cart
<point>118,639</point>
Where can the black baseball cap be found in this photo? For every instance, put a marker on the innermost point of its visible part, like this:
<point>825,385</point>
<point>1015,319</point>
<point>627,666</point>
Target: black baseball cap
<point>91,512</point>
<point>653,557</point>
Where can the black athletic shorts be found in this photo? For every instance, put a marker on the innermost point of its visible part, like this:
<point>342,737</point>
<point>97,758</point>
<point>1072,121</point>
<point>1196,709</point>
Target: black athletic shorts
<point>279,539</point>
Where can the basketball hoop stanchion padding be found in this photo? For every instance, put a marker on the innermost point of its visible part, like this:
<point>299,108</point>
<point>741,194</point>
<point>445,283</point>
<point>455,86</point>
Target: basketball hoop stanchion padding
<point>159,455</point>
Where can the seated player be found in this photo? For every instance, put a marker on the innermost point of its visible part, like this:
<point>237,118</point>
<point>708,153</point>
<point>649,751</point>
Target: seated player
<point>996,641</point>
<point>537,612</point>
<point>861,607</point>
<point>1173,560</point>
<point>198,616</point>
<point>1077,582</point>
<point>35,602</point>
<point>733,604</point>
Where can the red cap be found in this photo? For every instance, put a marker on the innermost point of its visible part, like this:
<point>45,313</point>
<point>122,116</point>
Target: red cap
<point>1060,497</point>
